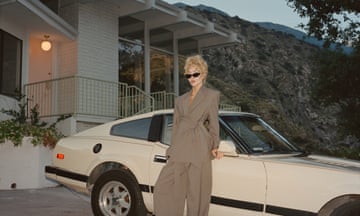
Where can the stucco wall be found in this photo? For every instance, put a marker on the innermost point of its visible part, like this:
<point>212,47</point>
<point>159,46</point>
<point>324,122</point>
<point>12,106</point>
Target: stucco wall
<point>27,166</point>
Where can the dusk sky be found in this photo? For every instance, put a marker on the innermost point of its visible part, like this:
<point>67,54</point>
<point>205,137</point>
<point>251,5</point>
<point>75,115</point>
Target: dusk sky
<point>275,11</point>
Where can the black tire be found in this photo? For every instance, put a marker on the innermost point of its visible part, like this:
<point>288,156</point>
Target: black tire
<point>117,193</point>
<point>348,209</point>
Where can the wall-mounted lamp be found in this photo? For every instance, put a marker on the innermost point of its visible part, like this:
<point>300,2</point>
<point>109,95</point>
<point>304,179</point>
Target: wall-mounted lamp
<point>46,44</point>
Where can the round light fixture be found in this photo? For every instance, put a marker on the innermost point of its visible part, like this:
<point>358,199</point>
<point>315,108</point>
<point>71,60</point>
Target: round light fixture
<point>46,44</point>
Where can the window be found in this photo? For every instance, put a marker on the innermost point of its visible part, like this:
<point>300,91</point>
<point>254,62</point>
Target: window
<point>131,51</point>
<point>138,129</point>
<point>10,64</point>
<point>131,64</point>
<point>161,71</point>
<point>259,136</point>
<point>167,129</point>
<point>132,55</point>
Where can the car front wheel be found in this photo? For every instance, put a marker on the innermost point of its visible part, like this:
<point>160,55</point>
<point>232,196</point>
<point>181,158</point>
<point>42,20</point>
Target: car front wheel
<point>348,209</point>
<point>117,193</point>
<point>343,206</point>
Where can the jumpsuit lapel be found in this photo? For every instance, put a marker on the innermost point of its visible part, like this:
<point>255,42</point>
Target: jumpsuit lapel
<point>185,103</point>
<point>197,100</point>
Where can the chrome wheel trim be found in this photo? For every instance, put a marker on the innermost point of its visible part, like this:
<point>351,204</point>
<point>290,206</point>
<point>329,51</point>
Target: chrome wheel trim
<point>114,199</point>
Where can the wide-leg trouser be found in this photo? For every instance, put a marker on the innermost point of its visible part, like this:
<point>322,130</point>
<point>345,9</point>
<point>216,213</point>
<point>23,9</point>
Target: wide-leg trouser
<point>179,181</point>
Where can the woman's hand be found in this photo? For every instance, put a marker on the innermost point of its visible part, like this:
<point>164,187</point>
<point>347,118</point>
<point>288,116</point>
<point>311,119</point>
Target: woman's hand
<point>217,154</point>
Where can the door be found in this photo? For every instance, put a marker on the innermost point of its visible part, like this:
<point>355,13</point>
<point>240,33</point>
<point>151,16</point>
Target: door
<point>239,184</point>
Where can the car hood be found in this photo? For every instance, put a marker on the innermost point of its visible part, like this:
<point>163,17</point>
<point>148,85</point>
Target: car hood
<point>322,161</point>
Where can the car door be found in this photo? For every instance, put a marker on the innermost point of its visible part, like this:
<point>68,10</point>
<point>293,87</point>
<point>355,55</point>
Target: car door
<point>158,158</point>
<point>239,183</point>
<point>238,187</point>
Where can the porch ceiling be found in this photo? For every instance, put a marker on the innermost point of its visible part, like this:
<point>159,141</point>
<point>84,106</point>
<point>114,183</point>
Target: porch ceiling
<point>184,25</point>
<point>37,19</point>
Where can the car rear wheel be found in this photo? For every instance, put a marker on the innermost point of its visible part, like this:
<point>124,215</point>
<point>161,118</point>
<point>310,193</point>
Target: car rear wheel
<point>117,193</point>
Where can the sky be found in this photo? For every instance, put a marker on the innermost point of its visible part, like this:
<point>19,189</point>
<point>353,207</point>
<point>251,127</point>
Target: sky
<point>275,11</point>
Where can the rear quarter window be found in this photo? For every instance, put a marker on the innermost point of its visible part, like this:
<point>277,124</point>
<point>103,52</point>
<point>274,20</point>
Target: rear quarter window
<point>138,129</point>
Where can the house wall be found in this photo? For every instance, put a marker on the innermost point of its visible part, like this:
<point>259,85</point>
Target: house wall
<point>98,41</point>
<point>40,62</point>
<point>67,56</point>
<point>98,57</point>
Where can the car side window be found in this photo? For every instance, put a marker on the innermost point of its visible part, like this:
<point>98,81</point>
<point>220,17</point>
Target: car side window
<point>224,135</point>
<point>167,129</point>
<point>138,129</point>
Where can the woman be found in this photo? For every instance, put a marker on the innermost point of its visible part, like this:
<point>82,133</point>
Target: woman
<point>194,143</point>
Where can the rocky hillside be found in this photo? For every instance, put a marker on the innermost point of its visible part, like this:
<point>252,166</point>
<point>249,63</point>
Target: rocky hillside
<point>270,74</point>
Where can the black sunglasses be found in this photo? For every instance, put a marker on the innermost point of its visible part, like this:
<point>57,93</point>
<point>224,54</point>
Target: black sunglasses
<point>188,76</point>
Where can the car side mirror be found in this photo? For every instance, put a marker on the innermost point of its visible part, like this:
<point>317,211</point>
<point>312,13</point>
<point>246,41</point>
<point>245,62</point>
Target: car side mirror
<point>228,148</point>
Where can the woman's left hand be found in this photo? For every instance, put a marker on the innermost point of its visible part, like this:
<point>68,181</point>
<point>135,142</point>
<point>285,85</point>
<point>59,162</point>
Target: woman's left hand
<point>217,154</point>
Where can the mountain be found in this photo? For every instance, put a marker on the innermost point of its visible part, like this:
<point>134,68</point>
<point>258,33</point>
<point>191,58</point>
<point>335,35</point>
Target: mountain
<point>272,26</point>
<point>272,74</point>
<point>299,35</point>
<point>202,7</point>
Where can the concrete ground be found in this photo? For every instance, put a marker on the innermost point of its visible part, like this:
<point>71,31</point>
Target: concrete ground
<point>55,201</point>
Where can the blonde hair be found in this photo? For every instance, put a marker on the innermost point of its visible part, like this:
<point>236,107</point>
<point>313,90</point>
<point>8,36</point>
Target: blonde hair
<point>196,61</point>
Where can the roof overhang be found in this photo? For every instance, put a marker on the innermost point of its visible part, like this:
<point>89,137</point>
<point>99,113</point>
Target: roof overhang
<point>37,19</point>
<point>183,24</point>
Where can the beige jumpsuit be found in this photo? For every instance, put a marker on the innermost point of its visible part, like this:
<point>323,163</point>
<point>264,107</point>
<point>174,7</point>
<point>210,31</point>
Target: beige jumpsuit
<point>188,173</point>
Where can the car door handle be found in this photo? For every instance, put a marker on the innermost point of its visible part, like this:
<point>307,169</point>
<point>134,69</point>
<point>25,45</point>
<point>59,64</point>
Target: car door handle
<point>160,158</point>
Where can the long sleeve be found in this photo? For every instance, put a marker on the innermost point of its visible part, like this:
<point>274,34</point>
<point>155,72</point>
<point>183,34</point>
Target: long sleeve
<point>214,121</point>
<point>176,115</point>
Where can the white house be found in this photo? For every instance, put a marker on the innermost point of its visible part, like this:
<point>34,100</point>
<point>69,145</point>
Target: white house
<point>108,58</point>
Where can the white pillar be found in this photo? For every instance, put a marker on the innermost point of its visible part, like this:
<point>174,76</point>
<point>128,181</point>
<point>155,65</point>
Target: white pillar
<point>147,59</point>
<point>176,66</point>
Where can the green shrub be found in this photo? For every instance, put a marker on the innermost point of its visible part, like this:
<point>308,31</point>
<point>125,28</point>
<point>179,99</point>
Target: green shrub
<point>21,126</point>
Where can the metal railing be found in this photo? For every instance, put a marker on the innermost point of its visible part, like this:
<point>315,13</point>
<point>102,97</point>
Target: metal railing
<point>87,96</point>
<point>229,107</point>
<point>163,100</point>
<point>135,101</point>
<point>94,97</point>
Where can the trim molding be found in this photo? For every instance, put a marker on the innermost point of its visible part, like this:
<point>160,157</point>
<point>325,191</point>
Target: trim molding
<point>66,174</point>
<point>252,206</point>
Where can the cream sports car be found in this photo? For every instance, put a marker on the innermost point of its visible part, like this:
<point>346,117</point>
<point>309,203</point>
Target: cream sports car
<point>117,163</point>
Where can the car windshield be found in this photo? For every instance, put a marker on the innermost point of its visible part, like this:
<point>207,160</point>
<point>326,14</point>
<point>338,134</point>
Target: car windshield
<point>259,136</point>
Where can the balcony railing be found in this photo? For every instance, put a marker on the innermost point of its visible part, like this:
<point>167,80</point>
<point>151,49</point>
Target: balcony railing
<point>87,96</point>
<point>163,100</point>
<point>229,107</point>
<point>92,97</point>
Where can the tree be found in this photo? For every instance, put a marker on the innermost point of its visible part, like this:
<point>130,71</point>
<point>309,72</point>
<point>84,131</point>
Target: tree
<point>335,21</point>
<point>337,80</point>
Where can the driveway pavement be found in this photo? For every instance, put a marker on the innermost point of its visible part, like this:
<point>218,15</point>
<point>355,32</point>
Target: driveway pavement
<point>55,201</point>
